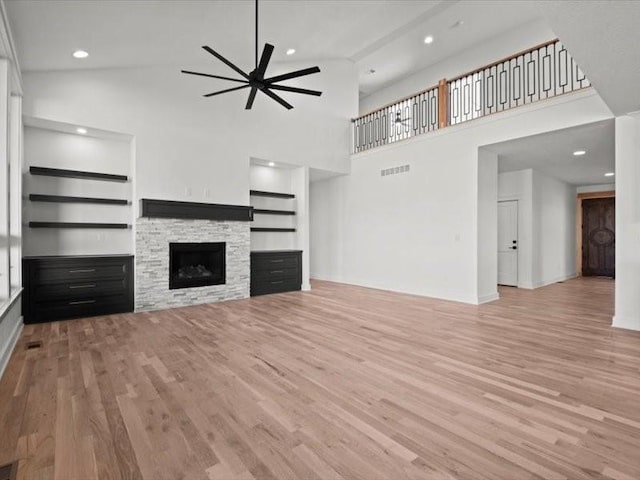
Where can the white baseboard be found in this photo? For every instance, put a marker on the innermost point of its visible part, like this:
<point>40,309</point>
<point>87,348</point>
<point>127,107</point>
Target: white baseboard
<point>533,286</point>
<point>492,297</point>
<point>6,352</point>
<point>438,295</point>
<point>626,323</point>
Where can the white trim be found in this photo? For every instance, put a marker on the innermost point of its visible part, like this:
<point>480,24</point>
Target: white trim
<point>5,355</point>
<point>533,286</point>
<point>8,50</point>
<point>492,297</point>
<point>626,323</point>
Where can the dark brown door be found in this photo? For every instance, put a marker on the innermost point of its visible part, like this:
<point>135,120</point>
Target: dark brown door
<point>599,237</point>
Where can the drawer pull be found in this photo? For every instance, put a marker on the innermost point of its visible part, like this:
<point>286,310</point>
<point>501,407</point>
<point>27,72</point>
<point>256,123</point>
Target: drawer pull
<point>82,302</point>
<point>91,285</point>
<point>279,281</point>
<point>83,270</point>
<point>277,260</point>
<point>276,271</point>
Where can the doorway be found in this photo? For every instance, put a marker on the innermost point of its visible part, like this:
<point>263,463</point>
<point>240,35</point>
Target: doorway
<point>599,237</point>
<point>508,243</point>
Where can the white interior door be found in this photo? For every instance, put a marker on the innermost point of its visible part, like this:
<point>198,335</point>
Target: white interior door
<point>508,243</point>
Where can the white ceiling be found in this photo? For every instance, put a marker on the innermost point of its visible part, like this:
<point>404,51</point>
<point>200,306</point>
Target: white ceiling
<point>386,35</point>
<point>552,153</point>
<point>602,36</point>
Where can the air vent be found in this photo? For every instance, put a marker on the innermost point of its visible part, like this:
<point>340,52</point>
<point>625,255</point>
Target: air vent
<point>31,346</point>
<point>9,472</point>
<point>385,172</point>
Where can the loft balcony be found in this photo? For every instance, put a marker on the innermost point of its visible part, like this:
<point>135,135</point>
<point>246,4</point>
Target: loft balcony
<point>541,72</point>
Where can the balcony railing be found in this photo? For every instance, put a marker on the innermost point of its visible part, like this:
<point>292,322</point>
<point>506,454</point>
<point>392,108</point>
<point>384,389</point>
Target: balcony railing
<point>541,72</point>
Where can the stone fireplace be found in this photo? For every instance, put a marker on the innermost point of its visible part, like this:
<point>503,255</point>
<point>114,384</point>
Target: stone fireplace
<point>190,261</point>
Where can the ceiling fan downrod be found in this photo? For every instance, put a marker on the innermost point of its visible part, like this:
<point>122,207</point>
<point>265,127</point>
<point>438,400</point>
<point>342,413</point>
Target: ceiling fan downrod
<point>256,79</point>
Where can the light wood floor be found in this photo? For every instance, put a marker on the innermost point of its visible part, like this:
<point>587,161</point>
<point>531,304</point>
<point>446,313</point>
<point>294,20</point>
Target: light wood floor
<point>341,382</point>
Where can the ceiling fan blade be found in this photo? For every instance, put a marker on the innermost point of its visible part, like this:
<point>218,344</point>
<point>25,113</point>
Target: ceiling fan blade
<point>277,98</point>
<point>252,97</point>
<point>213,76</point>
<point>225,61</point>
<point>227,90</point>
<point>296,74</point>
<point>264,60</point>
<point>284,88</point>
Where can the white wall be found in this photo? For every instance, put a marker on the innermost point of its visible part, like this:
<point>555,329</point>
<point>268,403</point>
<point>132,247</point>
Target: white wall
<point>56,149</point>
<point>488,191</point>
<point>627,222</point>
<point>521,38</point>
<point>328,209</point>
<point>554,230</point>
<point>187,145</point>
<point>546,226</point>
<point>418,232</point>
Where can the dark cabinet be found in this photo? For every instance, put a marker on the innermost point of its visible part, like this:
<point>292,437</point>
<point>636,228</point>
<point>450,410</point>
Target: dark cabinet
<point>63,287</point>
<point>275,271</point>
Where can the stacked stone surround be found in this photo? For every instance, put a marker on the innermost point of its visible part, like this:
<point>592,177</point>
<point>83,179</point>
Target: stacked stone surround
<point>153,236</point>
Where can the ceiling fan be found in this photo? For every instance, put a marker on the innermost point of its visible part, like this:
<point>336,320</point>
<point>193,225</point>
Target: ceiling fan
<point>400,120</point>
<point>256,78</point>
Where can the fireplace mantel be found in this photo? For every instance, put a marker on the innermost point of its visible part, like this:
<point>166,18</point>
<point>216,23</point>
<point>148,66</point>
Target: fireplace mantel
<point>194,210</point>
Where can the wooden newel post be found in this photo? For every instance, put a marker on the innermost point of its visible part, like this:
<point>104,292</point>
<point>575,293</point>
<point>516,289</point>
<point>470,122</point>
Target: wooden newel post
<point>443,104</point>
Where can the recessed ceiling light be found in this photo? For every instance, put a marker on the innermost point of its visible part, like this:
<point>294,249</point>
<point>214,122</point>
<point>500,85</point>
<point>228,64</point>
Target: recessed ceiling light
<point>428,39</point>
<point>291,51</point>
<point>80,54</point>
<point>272,164</point>
<point>578,153</point>
<point>609,174</point>
<point>81,130</point>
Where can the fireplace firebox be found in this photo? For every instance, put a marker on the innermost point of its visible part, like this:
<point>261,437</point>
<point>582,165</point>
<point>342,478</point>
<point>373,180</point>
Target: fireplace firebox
<point>196,264</point>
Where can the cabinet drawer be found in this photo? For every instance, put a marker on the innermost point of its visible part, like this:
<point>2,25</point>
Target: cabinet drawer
<point>83,289</point>
<point>274,286</point>
<point>79,307</point>
<point>44,275</point>
<point>275,262</point>
<point>275,273</point>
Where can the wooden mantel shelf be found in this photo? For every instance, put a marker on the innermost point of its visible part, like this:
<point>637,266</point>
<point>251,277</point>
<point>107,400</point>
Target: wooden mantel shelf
<point>195,211</point>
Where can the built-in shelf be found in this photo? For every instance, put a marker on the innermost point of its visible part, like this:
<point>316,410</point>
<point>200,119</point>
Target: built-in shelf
<point>260,193</point>
<point>59,172</point>
<point>262,211</point>
<point>67,199</point>
<point>268,229</point>
<point>77,225</point>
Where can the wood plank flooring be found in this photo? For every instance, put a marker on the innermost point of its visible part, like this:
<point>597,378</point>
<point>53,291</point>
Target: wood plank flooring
<point>338,383</point>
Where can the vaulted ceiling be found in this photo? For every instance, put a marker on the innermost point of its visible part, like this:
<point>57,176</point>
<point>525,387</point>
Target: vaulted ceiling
<point>382,35</point>
<point>602,36</point>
